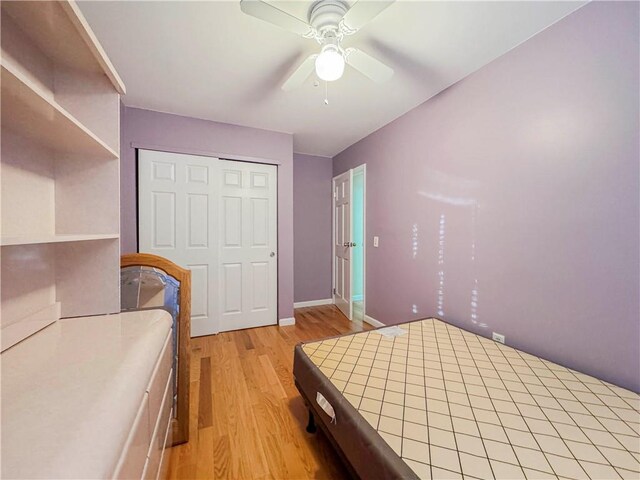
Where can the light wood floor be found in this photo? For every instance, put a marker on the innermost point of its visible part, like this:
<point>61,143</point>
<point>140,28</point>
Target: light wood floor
<point>247,418</point>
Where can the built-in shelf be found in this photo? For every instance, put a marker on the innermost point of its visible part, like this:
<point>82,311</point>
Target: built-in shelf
<point>44,238</point>
<point>32,112</point>
<point>60,171</point>
<point>62,33</point>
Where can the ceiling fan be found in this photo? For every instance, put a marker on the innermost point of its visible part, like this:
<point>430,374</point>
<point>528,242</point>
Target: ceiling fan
<point>328,23</point>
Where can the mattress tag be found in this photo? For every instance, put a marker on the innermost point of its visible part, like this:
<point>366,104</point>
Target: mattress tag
<point>394,331</point>
<point>326,406</point>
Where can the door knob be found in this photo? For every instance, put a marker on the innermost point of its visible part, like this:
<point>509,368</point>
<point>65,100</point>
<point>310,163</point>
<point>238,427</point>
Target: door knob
<point>352,244</point>
<point>272,254</point>
<point>345,244</point>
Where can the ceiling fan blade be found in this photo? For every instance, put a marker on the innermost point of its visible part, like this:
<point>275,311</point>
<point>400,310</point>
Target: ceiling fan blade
<point>368,66</point>
<point>271,14</point>
<point>301,73</point>
<point>362,13</point>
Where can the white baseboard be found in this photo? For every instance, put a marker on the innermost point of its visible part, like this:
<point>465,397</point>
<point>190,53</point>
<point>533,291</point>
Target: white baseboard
<point>313,303</point>
<point>373,321</point>
<point>285,322</point>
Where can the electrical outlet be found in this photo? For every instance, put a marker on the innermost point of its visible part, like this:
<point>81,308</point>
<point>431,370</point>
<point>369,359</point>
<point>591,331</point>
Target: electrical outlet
<point>376,241</point>
<point>497,337</point>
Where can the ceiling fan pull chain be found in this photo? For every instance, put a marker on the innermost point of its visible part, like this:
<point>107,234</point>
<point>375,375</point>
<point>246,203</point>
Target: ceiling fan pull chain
<point>326,93</point>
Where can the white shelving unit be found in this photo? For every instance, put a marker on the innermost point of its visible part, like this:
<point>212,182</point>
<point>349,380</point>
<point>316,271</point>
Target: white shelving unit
<point>33,111</point>
<point>60,222</point>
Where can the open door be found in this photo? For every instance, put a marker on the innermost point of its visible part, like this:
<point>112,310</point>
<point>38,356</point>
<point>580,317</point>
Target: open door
<point>342,243</point>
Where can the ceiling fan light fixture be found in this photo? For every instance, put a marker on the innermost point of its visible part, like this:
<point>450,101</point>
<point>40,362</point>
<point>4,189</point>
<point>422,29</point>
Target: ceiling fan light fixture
<point>330,64</point>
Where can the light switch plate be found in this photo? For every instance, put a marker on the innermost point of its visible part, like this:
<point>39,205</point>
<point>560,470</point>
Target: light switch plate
<point>375,242</point>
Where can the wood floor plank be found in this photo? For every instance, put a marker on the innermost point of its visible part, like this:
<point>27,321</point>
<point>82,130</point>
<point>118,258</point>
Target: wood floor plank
<point>272,377</point>
<point>183,460</point>
<point>205,455</point>
<point>221,453</point>
<point>205,411</point>
<point>257,383</point>
<point>247,418</point>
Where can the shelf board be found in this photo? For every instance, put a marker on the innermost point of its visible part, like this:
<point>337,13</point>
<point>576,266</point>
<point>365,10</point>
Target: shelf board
<point>6,241</point>
<point>60,30</point>
<point>32,112</point>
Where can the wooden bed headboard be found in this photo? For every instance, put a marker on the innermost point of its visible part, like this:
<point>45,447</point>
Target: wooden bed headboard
<point>180,425</point>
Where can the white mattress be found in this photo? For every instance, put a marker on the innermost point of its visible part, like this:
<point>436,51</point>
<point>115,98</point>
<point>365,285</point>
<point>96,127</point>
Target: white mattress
<point>453,404</point>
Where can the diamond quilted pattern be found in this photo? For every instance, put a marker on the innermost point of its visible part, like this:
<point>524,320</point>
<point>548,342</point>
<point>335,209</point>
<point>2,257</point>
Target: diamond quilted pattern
<point>456,405</point>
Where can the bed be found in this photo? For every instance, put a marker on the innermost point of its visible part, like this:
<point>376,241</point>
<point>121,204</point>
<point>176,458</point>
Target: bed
<point>425,399</point>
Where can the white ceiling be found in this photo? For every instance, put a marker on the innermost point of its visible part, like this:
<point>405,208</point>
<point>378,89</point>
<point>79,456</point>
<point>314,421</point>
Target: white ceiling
<point>209,60</point>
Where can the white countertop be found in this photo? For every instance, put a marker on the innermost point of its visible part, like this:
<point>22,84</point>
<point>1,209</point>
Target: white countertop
<point>70,393</point>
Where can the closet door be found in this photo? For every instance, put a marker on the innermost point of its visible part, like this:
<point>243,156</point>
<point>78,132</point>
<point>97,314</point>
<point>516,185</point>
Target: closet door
<point>219,219</point>
<point>176,214</point>
<point>247,246</point>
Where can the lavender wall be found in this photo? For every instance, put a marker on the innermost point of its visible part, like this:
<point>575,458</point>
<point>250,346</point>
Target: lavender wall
<point>312,227</point>
<point>509,202</point>
<point>174,133</point>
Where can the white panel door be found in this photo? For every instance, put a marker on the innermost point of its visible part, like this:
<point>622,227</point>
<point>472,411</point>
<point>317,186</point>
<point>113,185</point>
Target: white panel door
<point>247,246</point>
<point>176,205</point>
<point>342,238</point>
<point>217,218</point>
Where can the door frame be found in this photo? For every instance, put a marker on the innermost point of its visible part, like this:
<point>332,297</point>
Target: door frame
<point>363,168</point>
<point>360,168</point>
